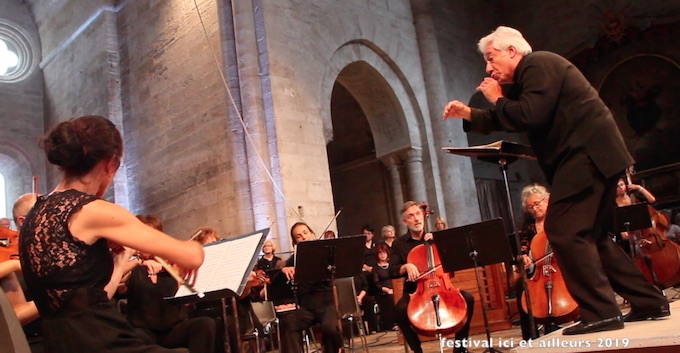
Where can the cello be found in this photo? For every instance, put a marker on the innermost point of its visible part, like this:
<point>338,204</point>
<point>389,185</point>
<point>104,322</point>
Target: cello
<point>436,307</point>
<point>653,253</point>
<point>551,302</point>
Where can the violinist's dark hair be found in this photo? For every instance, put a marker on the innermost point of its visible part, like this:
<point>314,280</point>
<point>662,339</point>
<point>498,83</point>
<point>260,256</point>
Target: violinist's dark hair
<point>368,228</point>
<point>292,236</point>
<point>78,144</point>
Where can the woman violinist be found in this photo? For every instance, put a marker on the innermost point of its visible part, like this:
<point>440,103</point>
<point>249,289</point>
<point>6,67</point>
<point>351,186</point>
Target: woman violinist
<point>65,244</point>
<point>414,219</point>
<point>553,306</point>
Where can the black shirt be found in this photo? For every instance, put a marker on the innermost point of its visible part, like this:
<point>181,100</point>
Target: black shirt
<point>399,254</point>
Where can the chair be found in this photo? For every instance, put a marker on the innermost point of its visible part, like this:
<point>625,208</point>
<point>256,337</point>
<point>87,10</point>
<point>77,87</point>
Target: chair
<point>349,310</point>
<point>11,332</point>
<point>265,312</point>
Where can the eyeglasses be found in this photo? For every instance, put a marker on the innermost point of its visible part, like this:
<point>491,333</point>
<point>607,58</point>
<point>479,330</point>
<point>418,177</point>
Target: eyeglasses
<point>535,205</point>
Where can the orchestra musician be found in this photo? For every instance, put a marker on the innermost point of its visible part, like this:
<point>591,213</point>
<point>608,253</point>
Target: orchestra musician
<point>414,219</point>
<point>316,305</point>
<point>582,153</point>
<point>535,200</point>
<point>623,198</point>
<point>247,320</point>
<point>157,320</point>
<point>72,287</point>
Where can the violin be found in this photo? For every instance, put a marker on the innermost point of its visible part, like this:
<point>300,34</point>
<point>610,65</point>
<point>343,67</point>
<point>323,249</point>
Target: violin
<point>551,302</point>
<point>653,253</point>
<point>436,307</point>
<point>9,244</point>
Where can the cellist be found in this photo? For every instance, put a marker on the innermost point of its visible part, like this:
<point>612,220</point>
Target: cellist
<point>414,219</point>
<point>535,200</point>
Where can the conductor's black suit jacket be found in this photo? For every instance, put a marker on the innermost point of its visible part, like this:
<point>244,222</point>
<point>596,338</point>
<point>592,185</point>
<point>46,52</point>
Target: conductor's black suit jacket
<point>570,129</point>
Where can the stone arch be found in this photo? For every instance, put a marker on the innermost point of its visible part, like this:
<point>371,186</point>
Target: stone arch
<point>382,91</point>
<point>389,105</point>
<point>18,169</point>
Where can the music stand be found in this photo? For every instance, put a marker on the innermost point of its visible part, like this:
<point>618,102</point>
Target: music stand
<point>631,218</point>
<point>316,261</point>
<point>472,246</point>
<point>503,153</point>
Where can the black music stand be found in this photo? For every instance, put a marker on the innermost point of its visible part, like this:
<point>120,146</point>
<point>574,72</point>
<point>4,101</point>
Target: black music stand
<point>328,259</point>
<point>631,218</point>
<point>503,153</point>
<point>472,246</point>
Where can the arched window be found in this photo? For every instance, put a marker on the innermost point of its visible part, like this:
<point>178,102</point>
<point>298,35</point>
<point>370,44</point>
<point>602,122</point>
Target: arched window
<point>9,59</point>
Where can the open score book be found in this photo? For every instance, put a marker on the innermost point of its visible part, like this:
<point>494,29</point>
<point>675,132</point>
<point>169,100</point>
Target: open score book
<point>227,264</point>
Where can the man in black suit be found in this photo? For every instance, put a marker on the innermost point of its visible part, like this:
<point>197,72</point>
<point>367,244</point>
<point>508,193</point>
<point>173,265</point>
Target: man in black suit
<point>582,153</point>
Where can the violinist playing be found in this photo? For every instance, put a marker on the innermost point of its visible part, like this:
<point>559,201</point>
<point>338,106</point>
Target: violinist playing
<point>414,219</point>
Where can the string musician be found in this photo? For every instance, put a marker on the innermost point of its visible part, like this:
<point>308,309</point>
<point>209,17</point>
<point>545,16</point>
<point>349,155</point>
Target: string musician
<point>316,305</point>
<point>623,198</point>
<point>247,320</point>
<point>414,219</point>
<point>157,320</point>
<point>560,307</point>
<point>67,238</point>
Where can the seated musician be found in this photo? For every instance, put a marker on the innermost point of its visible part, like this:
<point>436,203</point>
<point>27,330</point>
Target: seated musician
<point>534,201</point>
<point>316,305</point>
<point>626,194</point>
<point>157,320</point>
<point>414,219</point>
<point>247,320</point>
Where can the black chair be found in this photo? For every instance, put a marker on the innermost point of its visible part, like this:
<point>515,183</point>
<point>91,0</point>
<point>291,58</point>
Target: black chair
<point>350,310</point>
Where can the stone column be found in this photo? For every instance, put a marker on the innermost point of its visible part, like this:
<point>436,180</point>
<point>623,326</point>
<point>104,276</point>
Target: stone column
<point>393,164</point>
<point>457,179</point>
<point>413,160</point>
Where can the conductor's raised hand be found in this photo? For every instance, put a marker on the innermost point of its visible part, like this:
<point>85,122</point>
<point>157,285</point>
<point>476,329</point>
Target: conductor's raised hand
<point>457,109</point>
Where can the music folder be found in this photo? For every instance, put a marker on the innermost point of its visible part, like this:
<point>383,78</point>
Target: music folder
<point>226,267</point>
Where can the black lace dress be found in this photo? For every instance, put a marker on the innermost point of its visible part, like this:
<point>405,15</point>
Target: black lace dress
<point>66,278</point>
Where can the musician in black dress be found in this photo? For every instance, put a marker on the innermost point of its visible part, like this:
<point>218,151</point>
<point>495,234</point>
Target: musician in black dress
<point>67,239</point>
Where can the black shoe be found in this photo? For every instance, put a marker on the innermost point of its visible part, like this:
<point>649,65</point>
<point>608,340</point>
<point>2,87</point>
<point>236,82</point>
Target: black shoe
<point>641,315</point>
<point>613,323</point>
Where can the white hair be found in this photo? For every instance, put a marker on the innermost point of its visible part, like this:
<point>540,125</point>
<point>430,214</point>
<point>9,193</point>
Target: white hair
<point>533,189</point>
<point>504,37</point>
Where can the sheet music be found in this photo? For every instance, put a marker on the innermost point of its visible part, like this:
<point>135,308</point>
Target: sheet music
<point>227,264</point>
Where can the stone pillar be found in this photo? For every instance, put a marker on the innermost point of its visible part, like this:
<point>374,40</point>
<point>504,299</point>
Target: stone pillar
<point>457,180</point>
<point>393,164</point>
<point>413,160</point>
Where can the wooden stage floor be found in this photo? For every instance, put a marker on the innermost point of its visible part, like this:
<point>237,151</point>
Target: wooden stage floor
<point>652,336</point>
